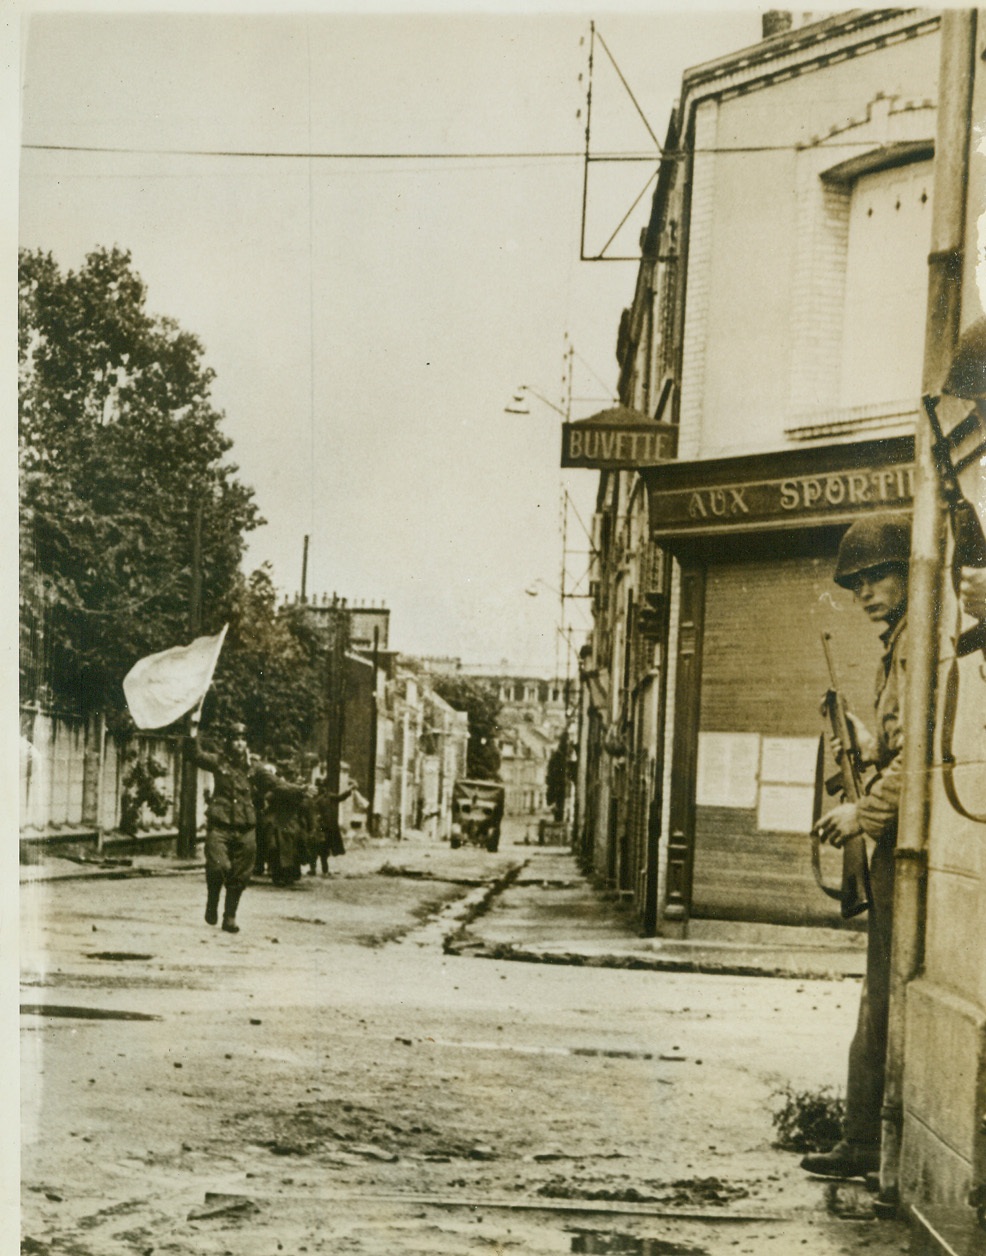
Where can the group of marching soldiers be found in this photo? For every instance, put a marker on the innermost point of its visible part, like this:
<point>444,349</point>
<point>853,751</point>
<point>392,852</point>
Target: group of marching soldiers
<point>258,820</point>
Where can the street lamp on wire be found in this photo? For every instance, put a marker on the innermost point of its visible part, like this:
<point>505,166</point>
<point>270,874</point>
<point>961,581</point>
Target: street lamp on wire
<point>519,402</point>
<point>532,590</point>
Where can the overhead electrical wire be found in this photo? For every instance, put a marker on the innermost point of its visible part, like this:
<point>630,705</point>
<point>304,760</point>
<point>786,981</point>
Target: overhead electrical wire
<point>547,155</point>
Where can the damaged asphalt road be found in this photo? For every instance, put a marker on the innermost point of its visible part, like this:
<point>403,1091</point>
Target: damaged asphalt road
<point>335,1079</point>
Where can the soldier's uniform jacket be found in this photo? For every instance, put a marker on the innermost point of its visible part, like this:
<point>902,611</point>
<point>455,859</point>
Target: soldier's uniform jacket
<point>231,805</point>
<point>286,804</point>
<point>878,807</point>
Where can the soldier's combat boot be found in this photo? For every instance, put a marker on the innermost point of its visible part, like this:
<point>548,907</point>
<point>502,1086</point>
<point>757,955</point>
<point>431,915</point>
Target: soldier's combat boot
<point>229,911</point>
<point>213,887</point>
<point>845,1160</point>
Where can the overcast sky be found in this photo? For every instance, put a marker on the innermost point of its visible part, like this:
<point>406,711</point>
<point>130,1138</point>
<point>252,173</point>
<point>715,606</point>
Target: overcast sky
<point>369,319</point>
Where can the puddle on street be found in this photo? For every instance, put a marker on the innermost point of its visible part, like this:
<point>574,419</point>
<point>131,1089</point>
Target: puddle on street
<point>607,1243</point>
<point>118,955</point>
<point>83,1013</point>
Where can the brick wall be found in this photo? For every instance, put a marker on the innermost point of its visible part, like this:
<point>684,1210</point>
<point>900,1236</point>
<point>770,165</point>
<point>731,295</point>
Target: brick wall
<point>763,668</point>
<point>764,673</point>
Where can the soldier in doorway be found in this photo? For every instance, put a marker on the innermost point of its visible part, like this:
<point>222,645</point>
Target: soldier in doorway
<point>873,562</point>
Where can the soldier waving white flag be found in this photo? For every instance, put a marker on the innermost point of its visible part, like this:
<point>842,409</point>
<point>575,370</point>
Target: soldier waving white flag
<point>161,687</point>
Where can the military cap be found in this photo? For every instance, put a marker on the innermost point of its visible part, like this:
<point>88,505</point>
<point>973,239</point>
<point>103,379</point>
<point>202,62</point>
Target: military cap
<point>873,541</point>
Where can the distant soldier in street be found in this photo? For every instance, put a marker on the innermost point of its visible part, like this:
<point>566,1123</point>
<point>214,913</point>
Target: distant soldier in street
<point>327,837</point>
<point>289,833</point>
<point>873,562</point>
<point>231,840</point>
<point>261,781</point>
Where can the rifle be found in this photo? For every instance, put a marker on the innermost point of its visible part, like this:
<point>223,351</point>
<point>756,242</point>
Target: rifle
<point>854,893</point>
<point>967,531</point>
<point>969,550</point>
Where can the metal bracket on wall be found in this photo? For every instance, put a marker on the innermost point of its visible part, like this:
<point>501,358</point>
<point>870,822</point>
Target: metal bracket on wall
<point>590,160</point>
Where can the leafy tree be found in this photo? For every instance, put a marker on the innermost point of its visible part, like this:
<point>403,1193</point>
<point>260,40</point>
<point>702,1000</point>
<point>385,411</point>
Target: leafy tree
<point>479,700</point>
<point>271,673</point>
<point>119,446</point>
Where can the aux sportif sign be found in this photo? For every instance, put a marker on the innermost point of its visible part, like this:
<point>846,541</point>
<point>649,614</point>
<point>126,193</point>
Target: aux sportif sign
<point>782,488</point>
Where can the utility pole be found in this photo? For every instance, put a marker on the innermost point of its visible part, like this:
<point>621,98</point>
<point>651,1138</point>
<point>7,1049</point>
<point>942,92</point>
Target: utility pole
<point>304,572</point>
<point>569,802</point>
<point>339,624</point>
<point>188,793</point>
<point>371,784</point>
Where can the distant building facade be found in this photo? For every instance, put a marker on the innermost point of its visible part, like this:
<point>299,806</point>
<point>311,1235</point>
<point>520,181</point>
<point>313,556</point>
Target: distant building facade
<point>533,715</point>
<point>401,744</point>
<point>533,711</point>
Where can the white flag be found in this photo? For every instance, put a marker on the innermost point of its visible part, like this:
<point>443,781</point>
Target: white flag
<point>160,688</point>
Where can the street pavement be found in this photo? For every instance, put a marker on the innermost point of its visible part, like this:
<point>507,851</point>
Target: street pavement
<point>429,1051</point>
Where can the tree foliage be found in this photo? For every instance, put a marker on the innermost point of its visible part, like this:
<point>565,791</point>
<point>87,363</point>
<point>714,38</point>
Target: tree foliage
<point>119,446</point>
<point>271,674</point>
<point>480,701</point>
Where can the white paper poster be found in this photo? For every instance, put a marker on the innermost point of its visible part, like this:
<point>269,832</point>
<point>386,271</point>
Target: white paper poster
<point>727,769</point>
<point>788,760</point>
<point>785,808</point>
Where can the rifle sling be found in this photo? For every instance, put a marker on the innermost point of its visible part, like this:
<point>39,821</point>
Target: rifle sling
<point>816,867</point>
<point>950,708</point>
<point>968,459</point>
<point>970,641</point>
<point>964,428</point>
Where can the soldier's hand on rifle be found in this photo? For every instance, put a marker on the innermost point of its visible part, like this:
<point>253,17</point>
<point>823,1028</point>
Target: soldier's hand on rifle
<point>865,742</point>
<point>972,591</point>
<point>838,825</point>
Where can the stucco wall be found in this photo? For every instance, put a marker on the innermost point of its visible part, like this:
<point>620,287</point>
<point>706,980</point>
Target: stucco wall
<point>767,239</point>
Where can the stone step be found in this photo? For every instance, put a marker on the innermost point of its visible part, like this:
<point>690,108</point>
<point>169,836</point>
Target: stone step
<point>946,1231</point>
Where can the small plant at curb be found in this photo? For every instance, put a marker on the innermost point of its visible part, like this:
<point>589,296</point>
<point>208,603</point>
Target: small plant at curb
<point>809,1120</point>
<point>141,790</point>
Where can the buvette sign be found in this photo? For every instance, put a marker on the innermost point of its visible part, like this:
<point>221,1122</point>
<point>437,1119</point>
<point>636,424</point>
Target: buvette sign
<point>618,440</point>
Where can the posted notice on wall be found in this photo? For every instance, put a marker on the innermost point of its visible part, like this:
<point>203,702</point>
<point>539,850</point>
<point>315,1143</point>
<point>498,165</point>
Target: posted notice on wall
<point>728,766</point>
<point>788,760</point>
<point>785,808</point>
<point>787,784</point>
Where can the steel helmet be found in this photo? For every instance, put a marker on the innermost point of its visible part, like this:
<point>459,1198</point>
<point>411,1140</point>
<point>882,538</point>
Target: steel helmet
<point>967,374</point>
<point>873,541</point>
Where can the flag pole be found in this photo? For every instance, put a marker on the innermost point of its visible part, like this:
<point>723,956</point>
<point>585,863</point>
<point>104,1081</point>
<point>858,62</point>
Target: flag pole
<point>188,798</point>
<point>188,795</point>
<point>197,713</point>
